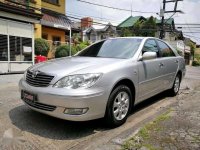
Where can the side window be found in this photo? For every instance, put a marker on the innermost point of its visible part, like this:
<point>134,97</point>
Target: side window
<point>165,50</point>
<point>150,46</point>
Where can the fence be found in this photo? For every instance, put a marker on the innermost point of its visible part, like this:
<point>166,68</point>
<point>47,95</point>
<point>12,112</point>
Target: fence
<point>53,46</point>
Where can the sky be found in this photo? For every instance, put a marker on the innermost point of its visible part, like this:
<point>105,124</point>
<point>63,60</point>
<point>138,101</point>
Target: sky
<point>191,9</point>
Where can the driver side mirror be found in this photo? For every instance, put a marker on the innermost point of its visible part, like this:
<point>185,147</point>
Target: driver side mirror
<point>148,56</point>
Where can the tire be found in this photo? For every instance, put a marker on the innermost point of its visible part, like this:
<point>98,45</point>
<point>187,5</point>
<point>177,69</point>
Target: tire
<point>176,86</point>
<point>118,106</point>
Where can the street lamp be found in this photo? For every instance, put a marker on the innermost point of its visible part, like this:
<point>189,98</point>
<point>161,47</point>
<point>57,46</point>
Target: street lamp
<point>70,41</point>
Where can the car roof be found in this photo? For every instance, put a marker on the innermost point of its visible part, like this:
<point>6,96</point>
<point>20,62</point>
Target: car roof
<point>135,37</point>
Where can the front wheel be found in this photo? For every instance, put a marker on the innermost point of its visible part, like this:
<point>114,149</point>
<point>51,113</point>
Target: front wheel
<point>118,106</point>
<point>176,86</point>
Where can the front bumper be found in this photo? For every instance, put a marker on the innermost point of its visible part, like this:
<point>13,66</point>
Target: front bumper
<point>95,99</point>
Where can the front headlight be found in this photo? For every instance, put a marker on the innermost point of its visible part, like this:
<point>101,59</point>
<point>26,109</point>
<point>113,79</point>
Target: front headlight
<point>78,81</point>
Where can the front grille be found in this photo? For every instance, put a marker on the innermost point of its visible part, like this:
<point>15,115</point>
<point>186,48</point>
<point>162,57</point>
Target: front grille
<point>38,79</point>
<point>40,105</point>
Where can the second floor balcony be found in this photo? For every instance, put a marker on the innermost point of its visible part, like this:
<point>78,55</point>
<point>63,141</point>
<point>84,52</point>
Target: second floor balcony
<point>27,8</point>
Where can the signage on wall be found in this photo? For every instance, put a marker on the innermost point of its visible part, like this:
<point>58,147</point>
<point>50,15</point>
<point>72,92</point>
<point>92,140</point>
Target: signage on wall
<point>27,49</point>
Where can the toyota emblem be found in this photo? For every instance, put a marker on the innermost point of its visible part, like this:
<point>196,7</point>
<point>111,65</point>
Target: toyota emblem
<point>34,74</point>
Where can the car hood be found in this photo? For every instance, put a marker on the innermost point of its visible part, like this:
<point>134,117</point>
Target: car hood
<point>68,65</point>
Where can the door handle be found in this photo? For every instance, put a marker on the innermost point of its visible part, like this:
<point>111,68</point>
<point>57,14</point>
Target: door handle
<point>176,61</point>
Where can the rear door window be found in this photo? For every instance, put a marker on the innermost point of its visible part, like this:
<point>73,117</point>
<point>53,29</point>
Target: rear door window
<point>166,51</point>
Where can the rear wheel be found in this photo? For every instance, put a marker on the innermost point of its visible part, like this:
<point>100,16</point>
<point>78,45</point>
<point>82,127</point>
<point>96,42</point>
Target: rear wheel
<point>118,106</point>
<point>176,86</point>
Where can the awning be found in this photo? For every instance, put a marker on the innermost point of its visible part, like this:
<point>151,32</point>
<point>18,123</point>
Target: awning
<point>55,20</point>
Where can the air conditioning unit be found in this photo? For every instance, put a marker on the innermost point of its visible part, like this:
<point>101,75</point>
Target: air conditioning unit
<point>56,42</point>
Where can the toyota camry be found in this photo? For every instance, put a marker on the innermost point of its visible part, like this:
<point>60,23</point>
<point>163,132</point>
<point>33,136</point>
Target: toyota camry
<point>104,80</point>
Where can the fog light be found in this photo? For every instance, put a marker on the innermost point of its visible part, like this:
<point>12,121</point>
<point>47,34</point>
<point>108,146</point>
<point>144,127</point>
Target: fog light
<point>75,111</point>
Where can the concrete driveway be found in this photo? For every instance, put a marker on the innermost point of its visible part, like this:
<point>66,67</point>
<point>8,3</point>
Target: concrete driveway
<point>22,128</point>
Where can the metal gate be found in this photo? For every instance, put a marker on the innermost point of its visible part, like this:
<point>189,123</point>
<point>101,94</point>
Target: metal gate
<point>16,46</point>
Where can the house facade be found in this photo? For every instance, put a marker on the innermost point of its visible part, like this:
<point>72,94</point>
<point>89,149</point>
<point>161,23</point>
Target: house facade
<point>129,24</point>
<point>54,23</point>
<point>54,26</point>
<point>197,51</point>
<point>130,21</point>
<point>17,19</point>
<point>99,32</point>
<point>96,31</point>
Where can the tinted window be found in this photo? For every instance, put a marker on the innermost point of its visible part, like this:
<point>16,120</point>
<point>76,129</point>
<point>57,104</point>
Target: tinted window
<point>112,48</point>
<point>150,46</point>
<point>165,50</point>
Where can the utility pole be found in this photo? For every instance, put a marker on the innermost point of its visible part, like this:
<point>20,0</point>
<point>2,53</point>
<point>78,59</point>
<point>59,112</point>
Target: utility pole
<point>162,14</point>
<point>132,8</point>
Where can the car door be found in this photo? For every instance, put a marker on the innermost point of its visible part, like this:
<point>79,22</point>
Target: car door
<point>149,72</point>
<point>169,64</point>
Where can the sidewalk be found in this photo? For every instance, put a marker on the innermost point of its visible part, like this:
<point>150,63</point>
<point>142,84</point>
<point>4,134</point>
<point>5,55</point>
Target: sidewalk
<point>176,129</point>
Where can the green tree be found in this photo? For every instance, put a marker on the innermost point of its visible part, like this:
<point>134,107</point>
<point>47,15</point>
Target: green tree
<point>141,28</point>
<point>125,32</point>
<point>137,28</point>
<point>148,27</point>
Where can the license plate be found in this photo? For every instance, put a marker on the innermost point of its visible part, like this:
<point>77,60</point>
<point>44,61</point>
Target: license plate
<point>28,96</point>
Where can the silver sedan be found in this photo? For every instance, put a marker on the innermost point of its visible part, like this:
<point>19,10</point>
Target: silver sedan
<point>105,79</point>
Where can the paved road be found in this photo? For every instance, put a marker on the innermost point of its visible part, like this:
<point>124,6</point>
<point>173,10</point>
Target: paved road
<point>193,73</point>
<point>22,128</point>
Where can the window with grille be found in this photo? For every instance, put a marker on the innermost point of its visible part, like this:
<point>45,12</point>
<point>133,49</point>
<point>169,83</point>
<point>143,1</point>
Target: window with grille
<point>56,40</point>
<point>56,2</point>
<point>20,48</point>
<point>3,47</point>
<point>45,36</point>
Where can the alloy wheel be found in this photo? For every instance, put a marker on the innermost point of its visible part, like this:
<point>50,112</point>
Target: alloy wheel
<point>121,105</point>
<point>176,84</point>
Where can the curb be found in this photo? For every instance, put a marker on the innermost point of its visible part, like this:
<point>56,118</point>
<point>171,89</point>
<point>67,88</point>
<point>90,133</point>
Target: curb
<point>12,73</point>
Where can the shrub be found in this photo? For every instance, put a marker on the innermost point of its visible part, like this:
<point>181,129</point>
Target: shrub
<point>41,47</point>
<point>195,63</point>
<point>74,50</point>
<point>86,43</point>
<point>81,46</point>
<point>62,51</point>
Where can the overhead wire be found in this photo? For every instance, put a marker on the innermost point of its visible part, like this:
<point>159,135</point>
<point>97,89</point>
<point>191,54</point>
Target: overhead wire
<point>183,24</point>
<point>197,25</point>
<point>192,33</point>
<point>121,9</point>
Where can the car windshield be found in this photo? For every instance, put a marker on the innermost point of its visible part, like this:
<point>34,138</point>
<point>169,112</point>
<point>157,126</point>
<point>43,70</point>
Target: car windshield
<point>112,48</point>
